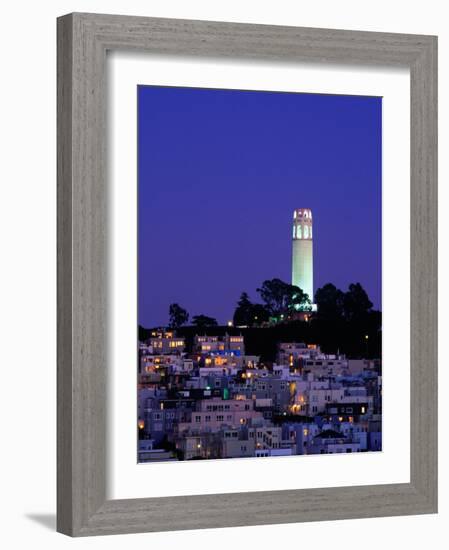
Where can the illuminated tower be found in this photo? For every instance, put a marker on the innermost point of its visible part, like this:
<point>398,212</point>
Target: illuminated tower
<point>302,256</point>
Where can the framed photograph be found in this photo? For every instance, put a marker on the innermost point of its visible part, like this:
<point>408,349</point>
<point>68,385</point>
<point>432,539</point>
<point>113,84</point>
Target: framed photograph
<point>247,274</point>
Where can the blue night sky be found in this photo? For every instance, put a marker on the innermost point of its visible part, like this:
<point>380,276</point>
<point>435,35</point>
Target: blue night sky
<point>220,172</point>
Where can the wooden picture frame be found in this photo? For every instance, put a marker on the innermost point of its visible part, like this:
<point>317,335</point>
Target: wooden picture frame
<point>83,40</point>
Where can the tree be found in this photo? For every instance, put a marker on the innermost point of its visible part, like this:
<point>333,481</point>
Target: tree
<point>274,293</point>
<point>242,313</point>
<point>178,316</point>
<point>249,314</point>
<point>280,297</point>
<point>202,321</point>
<point>259,314</point>
<point>330,302</point>
<point>299,300</point>
<point>356,303</point>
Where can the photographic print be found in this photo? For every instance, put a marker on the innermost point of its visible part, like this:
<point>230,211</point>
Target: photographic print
<point>259,274</point>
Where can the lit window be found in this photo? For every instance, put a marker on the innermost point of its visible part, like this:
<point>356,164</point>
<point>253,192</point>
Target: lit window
<point>298,232</point>
<point>306,232</point>
<point>310,231</point>
<point>294,231</point>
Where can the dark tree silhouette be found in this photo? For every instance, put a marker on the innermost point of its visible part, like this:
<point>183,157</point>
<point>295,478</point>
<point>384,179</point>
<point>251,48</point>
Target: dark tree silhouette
<point>345,321</point>
<point>330,302</point>
<point>249,314</point>
<point>281,298</point>
<point>202,321</point>
<point>356,303</point>
<point>243,311</point>
<point>178,316</point>
<point>260,314</point>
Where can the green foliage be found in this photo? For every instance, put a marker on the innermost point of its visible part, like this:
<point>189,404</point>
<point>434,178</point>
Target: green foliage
<point>342,323</point>
<point>281,298</point>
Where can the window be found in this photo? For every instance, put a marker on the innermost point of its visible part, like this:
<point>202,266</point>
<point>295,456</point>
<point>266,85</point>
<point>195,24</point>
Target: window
<point>306,231</point>
<point>197,418</point>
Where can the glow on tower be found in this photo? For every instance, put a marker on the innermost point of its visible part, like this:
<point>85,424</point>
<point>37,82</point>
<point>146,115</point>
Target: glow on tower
<point>302,254</point>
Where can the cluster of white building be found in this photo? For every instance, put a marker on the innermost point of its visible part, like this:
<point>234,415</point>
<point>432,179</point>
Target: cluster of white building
<point>218,402</point>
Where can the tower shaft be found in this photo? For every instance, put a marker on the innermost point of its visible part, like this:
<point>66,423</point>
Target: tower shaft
<point>302,253</point>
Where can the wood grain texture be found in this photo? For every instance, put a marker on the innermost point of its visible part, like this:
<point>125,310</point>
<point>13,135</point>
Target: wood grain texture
<point>83,40</point>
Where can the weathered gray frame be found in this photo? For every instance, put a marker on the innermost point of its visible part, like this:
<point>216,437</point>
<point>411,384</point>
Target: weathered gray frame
<point>83,40</point>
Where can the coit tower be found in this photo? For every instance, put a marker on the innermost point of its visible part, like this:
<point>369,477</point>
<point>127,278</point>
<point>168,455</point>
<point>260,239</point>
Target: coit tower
<point>302,256</point>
